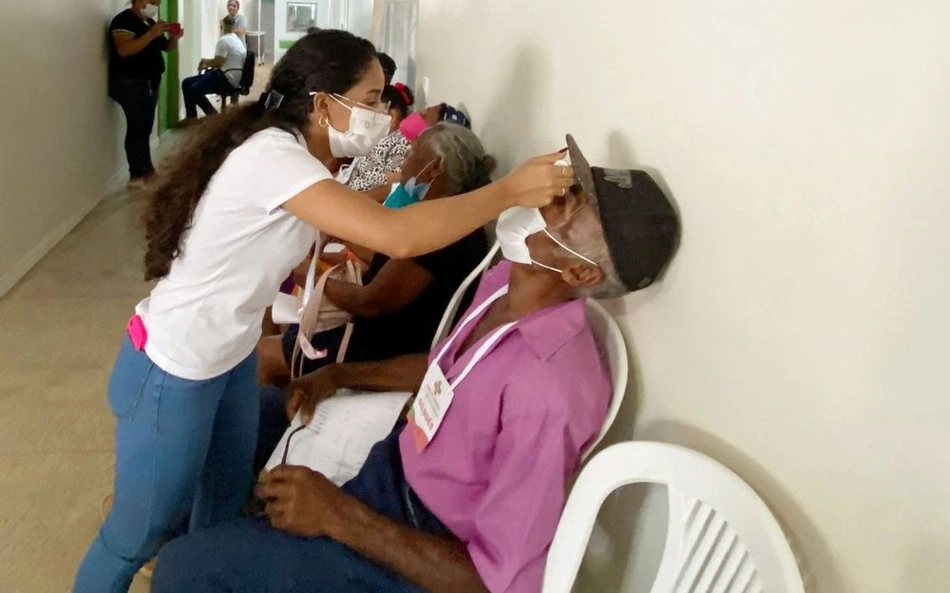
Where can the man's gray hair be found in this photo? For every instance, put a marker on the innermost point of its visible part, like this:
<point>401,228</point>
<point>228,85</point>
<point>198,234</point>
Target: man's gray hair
<point>589,241</point>
<point>467,166</point>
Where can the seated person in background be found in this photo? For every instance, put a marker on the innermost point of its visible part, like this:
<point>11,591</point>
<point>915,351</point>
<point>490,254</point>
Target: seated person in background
<point>475,508</point>
<point>399,307</point>
<point>218,75</point>
<point>374,170</point>
<point>389,66</point>
<point>240,21</point>
<point>374,173</point>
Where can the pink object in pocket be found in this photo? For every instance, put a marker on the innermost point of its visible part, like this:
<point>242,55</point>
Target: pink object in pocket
<point>137,333</point>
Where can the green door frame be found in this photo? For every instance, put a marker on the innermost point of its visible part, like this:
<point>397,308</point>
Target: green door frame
<point>168,106</point>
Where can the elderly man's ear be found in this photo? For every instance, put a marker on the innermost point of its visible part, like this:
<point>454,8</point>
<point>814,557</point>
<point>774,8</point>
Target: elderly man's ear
<point>582,275</point>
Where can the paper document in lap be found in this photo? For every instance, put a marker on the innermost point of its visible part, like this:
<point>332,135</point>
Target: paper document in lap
<point>344,428</point>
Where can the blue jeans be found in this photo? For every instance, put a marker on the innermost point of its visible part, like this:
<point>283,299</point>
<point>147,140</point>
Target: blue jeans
<point>181,446</point>
<point>195,89</point>
<point>250,556</point>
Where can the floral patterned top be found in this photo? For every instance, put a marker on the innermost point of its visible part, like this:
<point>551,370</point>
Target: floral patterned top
<point>370,171</point>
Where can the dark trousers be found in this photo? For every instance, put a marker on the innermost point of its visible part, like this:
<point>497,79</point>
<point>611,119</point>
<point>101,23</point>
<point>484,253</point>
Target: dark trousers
<point>195,89</point>
<point>273,423</point>
<point>250,556</point>
<point>138,98</point>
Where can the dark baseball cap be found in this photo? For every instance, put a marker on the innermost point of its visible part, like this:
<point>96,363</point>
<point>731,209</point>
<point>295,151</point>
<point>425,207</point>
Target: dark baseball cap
<point>640,224</point>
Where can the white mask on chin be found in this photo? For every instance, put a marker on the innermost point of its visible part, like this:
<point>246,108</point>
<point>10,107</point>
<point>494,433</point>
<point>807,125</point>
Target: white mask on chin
<point>150,11</point>
<point>367,128</point>
<point>514,227</point>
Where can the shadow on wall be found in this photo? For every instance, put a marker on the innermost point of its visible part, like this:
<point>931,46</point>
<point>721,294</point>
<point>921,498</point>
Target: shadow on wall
<point>623,155</point>
<point>634,517</point>
<point>530,72</point>
<point>814,557</point>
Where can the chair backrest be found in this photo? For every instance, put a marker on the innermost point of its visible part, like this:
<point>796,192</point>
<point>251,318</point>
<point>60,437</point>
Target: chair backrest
<point>720,538</point>
<point>614,350</point>
<point>247,73</point>
<point>445,326</point>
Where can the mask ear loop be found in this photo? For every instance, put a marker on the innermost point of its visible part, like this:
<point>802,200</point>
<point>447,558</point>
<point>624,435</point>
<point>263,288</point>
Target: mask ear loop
<point>423,170</point>
<point>414,180</point>
<point>565,248</point>
<point>335,98</point>
<point>569,250</point>
<point>540,265</point>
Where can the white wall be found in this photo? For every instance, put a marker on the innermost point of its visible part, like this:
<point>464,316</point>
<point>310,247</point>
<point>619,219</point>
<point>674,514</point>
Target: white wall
<point>359,17</point>
<point>802,334</point>
<point>59,132</point>
<point>267,24</point>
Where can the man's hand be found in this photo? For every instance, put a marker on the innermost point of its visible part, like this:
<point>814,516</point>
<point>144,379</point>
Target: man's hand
<point>308,391</point>
<point>303,502</point>
<point>177,34</point>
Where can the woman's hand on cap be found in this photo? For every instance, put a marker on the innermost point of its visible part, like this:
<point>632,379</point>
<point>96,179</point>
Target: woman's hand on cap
<point>536,182</point>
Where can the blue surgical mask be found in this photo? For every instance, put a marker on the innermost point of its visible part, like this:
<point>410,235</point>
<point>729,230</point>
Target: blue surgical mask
<point>412,191</point>
<point>399,197</point>
<point>417,189</point>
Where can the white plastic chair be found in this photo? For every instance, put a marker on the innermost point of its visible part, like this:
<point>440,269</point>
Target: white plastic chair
<point>449,316</point>
<point>614,349</point>
<point>721,537</point>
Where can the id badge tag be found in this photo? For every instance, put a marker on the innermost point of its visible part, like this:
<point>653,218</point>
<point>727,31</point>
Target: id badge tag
<point>429,409</point>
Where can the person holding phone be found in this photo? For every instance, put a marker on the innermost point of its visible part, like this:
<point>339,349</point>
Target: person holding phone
<point>136,42</point>
<point>234,211</point>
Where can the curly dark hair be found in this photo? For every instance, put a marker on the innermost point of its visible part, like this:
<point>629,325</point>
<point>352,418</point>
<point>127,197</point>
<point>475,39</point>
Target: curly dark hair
<point>328,60</point>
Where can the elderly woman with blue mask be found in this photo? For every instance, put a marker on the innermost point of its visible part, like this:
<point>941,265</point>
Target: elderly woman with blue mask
<point>374,173</point>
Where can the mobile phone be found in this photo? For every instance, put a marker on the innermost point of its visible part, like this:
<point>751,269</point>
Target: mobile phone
<point>174,28</point>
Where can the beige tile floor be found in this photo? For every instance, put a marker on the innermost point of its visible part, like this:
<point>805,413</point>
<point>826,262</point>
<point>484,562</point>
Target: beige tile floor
<point>59,332</point>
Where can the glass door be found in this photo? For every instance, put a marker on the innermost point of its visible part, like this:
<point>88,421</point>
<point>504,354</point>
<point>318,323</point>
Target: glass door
<point>397,37</point>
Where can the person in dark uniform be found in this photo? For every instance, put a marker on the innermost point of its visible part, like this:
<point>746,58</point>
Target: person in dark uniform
<point>136,42</point>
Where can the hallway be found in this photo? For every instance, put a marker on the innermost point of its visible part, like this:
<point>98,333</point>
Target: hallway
<point>61,329</point>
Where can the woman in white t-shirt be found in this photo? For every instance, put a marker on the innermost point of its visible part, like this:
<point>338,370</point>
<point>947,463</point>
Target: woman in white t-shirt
<point>234,212</point>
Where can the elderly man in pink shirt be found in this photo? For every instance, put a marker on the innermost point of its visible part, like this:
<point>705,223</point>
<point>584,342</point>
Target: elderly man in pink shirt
<point>466,495</point>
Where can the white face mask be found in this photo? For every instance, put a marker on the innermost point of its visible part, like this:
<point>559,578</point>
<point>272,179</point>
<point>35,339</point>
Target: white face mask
<point>150,11</point>
<point>514,227</point>
<point>367,128</point>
